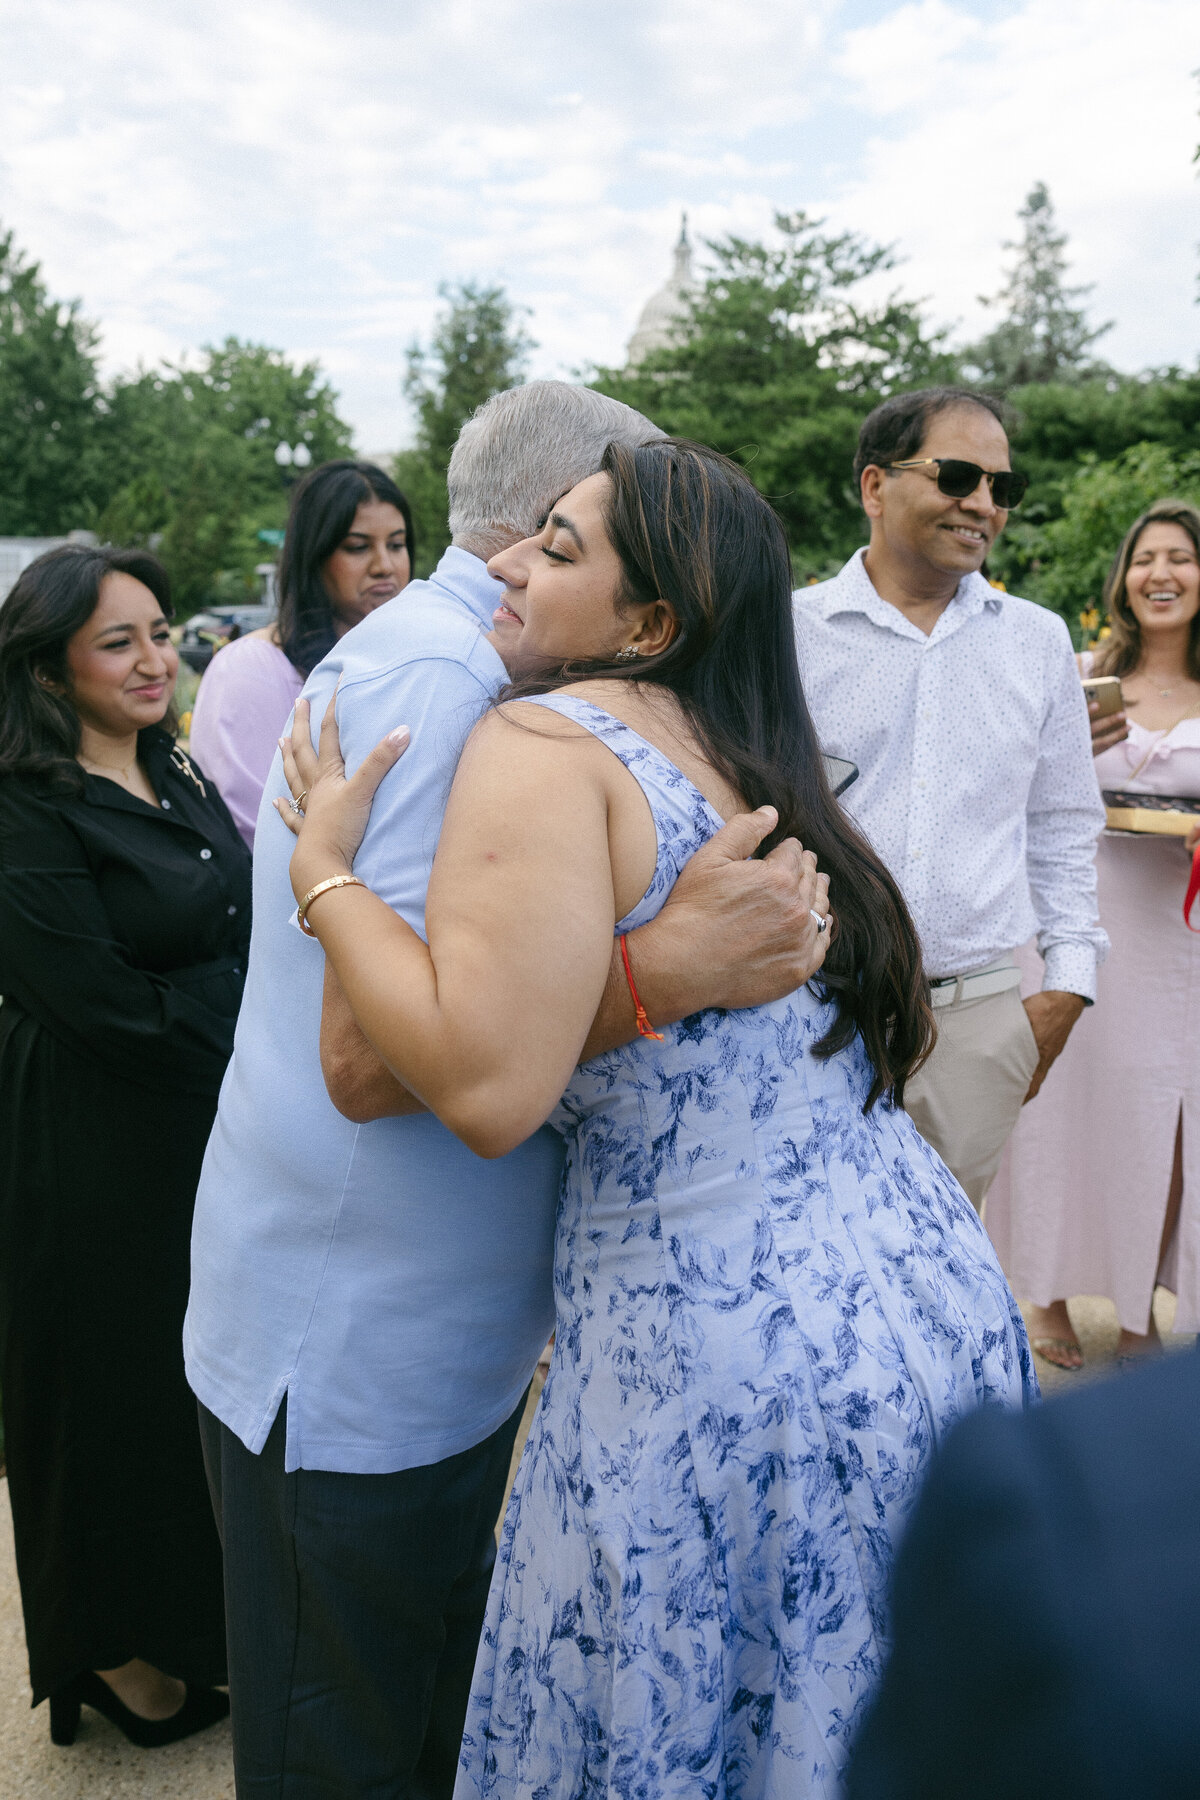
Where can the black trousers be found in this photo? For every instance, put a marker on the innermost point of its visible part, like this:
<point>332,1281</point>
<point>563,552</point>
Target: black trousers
<point>354,1605</point>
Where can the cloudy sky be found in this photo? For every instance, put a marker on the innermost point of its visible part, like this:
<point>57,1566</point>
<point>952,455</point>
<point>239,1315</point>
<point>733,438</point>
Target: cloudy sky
<point>306,172</point>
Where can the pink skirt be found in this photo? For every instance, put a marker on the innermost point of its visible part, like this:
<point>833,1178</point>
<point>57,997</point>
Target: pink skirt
<point>1079,1202</point>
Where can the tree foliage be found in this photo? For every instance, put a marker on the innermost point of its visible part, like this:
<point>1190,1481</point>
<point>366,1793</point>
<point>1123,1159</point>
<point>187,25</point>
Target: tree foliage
<point>1069,556</point>
<point>781,354</point>
<point>180,457</point>
<point>191,457</point>
<point>1043,333</point>
<point>1058,426</point>
<point>48,401</point>
<point>479,347</point>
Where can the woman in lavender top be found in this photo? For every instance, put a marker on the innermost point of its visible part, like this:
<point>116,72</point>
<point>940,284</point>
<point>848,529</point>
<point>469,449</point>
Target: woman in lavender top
<point>348,549</point>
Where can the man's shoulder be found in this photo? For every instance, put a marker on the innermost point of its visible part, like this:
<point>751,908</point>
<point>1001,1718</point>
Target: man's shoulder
<point>423,624</point>
<point>1030,613</point>
<point>816,597</point>
<point>1031,622</point>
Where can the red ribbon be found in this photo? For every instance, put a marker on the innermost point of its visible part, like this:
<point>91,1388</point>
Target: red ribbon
<point>1193,891</point>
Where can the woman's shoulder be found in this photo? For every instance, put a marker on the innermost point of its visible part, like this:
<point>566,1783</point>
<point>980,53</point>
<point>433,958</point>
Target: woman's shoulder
<point>590,709</point>
<point>565,702</point>
<point>36,820</point>
<point>247,680</point>
<point>256,651</point>
<point>26,795</point>
<point>630,703</point>
<point>534,716</point>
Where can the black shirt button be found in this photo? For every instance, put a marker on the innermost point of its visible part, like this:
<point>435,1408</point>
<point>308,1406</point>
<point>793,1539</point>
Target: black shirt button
<point>205,855</point>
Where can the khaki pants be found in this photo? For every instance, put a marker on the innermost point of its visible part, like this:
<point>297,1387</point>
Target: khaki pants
<point>966,1099</point>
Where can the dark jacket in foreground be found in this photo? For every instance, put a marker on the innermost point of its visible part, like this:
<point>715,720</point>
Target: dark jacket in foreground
<point>1047,1607</point>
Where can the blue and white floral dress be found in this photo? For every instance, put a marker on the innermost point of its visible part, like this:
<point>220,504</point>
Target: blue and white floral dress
<point>769,1309</point>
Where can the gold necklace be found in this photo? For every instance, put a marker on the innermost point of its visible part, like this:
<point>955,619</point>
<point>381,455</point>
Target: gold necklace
<point>120,775</point>
<point>1164,692</point>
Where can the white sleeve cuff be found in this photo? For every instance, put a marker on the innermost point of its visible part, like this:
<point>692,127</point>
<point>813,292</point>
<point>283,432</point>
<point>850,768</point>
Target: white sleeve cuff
<point>1070,968</point>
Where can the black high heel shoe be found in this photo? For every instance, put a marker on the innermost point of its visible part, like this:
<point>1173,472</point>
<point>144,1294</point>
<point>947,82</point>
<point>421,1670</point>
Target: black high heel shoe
<point>201,1708</point>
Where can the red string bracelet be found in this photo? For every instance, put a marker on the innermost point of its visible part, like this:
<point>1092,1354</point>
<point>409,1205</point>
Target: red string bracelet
<point>1193,894</point>
<point>645,1028</point>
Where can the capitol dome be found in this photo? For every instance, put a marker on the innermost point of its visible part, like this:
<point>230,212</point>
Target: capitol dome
<point>659,325</point>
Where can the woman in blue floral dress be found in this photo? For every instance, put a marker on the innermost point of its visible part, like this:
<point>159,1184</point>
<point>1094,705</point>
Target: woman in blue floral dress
<point>772,1296</point>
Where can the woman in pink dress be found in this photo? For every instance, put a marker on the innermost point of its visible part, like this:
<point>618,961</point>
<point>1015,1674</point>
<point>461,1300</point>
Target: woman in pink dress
<point>348,549</point>
<point>1100,1189</point>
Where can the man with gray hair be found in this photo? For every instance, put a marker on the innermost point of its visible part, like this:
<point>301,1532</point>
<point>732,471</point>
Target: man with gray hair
<point>369,1299</point>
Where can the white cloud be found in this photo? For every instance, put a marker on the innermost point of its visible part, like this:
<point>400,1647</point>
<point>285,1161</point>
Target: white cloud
<point>1091,96</point>
<point>306,175</point>
<point>909,58</point>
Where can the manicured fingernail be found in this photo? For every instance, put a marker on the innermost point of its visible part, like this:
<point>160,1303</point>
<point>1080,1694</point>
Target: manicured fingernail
<point>399,736</point>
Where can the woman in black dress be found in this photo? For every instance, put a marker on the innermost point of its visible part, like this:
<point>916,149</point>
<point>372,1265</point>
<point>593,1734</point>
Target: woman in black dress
<point>124,925</point>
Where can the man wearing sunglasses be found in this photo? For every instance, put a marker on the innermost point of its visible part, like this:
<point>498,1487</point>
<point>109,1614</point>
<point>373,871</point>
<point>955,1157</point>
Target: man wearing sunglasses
<point>962,707</point>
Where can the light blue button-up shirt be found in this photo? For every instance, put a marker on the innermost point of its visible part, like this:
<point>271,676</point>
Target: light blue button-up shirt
<point>394,1286</point>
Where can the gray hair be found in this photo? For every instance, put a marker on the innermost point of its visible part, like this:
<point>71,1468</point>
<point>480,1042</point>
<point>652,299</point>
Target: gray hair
<point>521,450</point>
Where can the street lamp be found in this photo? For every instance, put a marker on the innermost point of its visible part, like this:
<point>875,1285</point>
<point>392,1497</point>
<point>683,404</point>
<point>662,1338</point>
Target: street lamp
<point>293,456</point>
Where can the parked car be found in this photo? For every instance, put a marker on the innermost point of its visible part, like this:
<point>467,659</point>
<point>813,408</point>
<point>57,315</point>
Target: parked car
<point>206,631</point>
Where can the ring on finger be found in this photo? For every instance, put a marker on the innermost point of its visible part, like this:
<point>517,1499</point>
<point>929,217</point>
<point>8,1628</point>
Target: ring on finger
<point>822,921</point>
<point>296,806</point>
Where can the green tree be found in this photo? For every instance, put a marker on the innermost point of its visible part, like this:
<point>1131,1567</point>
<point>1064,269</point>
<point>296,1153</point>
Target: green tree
<point>1070,556</point>
<point>781,355</point>
<point>48,402</point>
<point>190,455</point>
<point>1043,333</point>
<point>479,347</point>
<point>1056,425</point>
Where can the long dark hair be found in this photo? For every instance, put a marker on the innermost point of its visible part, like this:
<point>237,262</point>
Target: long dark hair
<point>1123,651</point>
<point>323,507</point>
<point>52,599</point>
<point>690,528</point>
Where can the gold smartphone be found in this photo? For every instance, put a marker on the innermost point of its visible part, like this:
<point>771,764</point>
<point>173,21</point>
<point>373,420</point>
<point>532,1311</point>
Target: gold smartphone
<point>1105,690</point>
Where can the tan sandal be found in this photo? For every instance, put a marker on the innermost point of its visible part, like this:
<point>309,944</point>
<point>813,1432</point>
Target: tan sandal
<point>1047,1347</point>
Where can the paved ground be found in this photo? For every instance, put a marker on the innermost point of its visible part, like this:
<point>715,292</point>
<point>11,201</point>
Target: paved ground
<point>102,1766</point>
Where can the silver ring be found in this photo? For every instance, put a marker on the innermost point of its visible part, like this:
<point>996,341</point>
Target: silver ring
<point>822,923</point>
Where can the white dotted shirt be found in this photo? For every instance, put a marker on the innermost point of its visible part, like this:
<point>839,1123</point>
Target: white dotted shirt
<point>976,784</point>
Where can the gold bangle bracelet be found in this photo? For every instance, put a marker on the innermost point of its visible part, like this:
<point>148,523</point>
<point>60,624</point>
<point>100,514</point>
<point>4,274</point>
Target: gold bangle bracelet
<point>314,893</point>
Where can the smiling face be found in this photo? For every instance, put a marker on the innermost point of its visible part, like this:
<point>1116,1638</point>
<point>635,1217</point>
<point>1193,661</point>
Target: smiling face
<point>1162,585</point>
<point>919,526</point>
<point>369,566</point>
<point>562,590</point>
<point>121,665</point>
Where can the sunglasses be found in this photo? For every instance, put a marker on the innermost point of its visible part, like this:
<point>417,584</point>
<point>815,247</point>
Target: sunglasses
<point>957,479</point>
